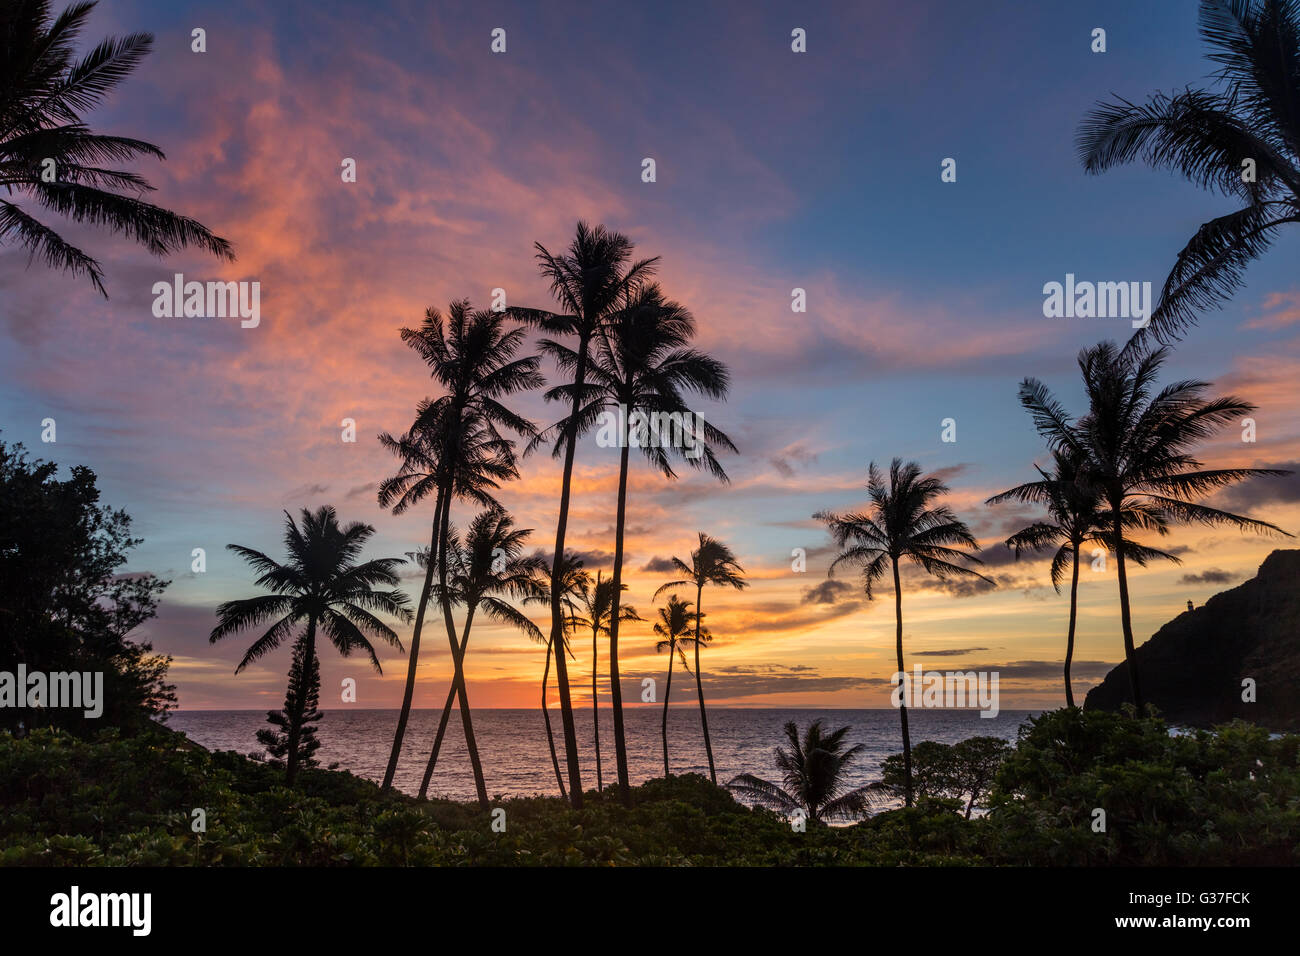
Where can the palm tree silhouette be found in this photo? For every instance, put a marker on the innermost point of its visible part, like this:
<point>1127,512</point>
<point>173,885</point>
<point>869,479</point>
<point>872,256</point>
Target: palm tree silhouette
<point>1211,138</point>
<point>589,283</point>
<point>813,770</point>
<point>486,567</point>
<point>1136,447</point>
<point>456,449</point>
<point>676,623</point>
<point>640,369</point>
<point>49,153</point>
<point>899,523</point>
<point>1076,516</point>
<point>711,563</point>
<point>322,586</point>
<point>600,612</point>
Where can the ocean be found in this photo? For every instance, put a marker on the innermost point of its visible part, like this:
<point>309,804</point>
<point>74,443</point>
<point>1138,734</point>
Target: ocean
<point>516,759</point>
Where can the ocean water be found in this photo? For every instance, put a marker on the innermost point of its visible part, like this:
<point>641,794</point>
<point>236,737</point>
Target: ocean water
<point>516,760</point>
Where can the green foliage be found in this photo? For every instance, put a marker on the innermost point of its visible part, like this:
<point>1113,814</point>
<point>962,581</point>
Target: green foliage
<point>304,682</point>
<point>963,771</point>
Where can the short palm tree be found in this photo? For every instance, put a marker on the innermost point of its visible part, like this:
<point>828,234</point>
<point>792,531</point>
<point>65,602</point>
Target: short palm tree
<point>1076,517</point>
<point>457,449</point>
<point>1242,140</point>
<point>677,627</point>
<point>902,522</point>
<point>813,769</point>
<point>711,563</point>
<point>1136,444</point>
<point>601,613</point>
<point>589,282</point>
<point>639,374</point>
<point>49,153</point>
<point>488,567</point>
<point>322,587</point>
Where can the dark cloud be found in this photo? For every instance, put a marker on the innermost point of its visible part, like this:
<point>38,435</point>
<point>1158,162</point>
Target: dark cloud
<point>1210,576</point>
<point>659,565</point>
<point>306,491</point>
<point>830,591</point>
<point>1264,490</point>
<point>950,652</point>
<point>787,458</point>
<point>361,490</point>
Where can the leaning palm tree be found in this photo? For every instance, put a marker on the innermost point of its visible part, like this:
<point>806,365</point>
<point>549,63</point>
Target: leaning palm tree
<point>601,612</point>
<point>813,770</point>
<point>486,568</point>
<point>711,563</point>
<point>676,624</point>
<point>901,522</point>
<point>1076,517</point>
<point>589,283</point>
<point>322,587</point>
<point>1137,445</point>
<point>457,449</point>
<point>1241,140</point>
<point>50,154</point>
<point>638,376</point>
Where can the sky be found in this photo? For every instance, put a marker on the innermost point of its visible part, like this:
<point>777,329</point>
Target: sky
<point>775,170</point>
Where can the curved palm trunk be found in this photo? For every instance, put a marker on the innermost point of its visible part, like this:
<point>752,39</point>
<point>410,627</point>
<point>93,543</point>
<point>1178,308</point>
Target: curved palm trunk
<point>1069,638</point>
<point>546,715</point>
<point>458,661</point>
<point>668,689</point>
<point>557,614</point>
<point>1125,617</point>
<point>902,710</point>
<point>452,693</point>
<point>414,656</point>
<point>615,686</point>
<point>295,719</point>
<point>595,710</point>
<point>699,686</point>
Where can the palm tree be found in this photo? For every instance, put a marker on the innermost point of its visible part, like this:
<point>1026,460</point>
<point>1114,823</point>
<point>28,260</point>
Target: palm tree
<point>1215,138</point>
<point>600,612</point>
<point>1137,446</point>
<point>321,586</point>
<point>486,567</point>
<point>1076,516</point>
<point>711,563</point>
<point>813,770</point>
<point>456,449</point>
<point>641,367</point>
<point>49,153</point>
<point>676,623</point>
<point>900,522</point>
<point>589,283</point>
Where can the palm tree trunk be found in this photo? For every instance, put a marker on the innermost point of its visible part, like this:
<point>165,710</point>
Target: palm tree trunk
<point>557,615</point>
<point>1069,639</point>
<point>699,685</point>
<point>1126,619</point>
<point>295,719</point>
<point>668,689</point>
<point>414,656</point>
<point>458,660</point>
<point>902,710</point>
<point>446,712</point>
<point>546,715</point>
<point>595,711</point>
<point>615,685</point>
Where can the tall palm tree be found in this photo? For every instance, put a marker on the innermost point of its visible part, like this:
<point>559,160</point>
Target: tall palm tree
<point>321,586</point>
<point>44,94</point>
<point>1075,516</point>
<point>901,522</point>
<point>457,449</point>
<point>1136,444</point>
<point>639,373</point>
<point>601,612</point>
<point>711,563</point>
<point>1208,137</point>
<point>676,624</point>
<point>813,770</point>
<point>486,568</point>
<point>589,283</point>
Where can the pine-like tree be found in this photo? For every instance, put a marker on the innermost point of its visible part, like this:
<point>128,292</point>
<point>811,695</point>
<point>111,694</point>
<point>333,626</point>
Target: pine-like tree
<point>300,702</point>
